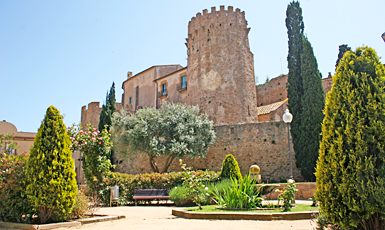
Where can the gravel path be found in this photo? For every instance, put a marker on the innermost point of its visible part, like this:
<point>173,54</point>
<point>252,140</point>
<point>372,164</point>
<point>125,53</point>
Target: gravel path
<point>160,218</point>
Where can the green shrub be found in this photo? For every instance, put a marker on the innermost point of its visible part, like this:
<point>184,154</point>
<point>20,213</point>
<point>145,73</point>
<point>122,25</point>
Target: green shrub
<point>351,166</point>
<point>80,207</point>
<point>14,205</point>
<point>242,194</point>
<point>51,184</point>
<point>179,196</point>
<point>230,168</point>
<point>127,183</point>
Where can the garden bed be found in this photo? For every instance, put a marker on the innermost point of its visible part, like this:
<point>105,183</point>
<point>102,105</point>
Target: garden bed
<point>78,222</point>
<point>301,212</point>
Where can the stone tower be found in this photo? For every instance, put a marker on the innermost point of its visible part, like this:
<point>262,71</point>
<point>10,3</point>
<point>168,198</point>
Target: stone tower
<point>220,71</point>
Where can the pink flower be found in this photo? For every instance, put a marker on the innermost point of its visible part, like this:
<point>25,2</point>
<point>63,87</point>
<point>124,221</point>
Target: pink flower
<point>98,131</point>
<point>99,142</point>
<point>108,147</point>
<point>75,142</point>
<point>94,139</point>
<point>100,138</point>
<point>85,142</point>
<point>95,133</point>
<point>94,129</point>
<point>81,131</point>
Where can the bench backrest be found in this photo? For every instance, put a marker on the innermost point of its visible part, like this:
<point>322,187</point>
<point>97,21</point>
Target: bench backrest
<point>151,192</point>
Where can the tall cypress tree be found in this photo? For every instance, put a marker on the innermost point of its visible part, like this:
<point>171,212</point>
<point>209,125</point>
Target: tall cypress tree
<point>108,109</point>
<point>295,92</point>
<point>313,102</point>
<point>50,175</point>
<point>342,49</point>
<point>351,165</point>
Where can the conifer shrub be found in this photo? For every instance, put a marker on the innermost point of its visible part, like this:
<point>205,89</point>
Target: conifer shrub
<point>230,168</point>
<point>351,166</point>
<point>51,185</point>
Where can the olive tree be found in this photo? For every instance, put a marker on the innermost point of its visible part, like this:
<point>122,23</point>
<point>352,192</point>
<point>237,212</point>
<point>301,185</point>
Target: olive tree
<point>175,130</point>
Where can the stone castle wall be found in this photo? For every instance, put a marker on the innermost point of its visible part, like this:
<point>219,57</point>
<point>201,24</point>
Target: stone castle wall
<point>92,113</point>
<point>220,70</point>
<point>264,144</point>
<point>276,89</point>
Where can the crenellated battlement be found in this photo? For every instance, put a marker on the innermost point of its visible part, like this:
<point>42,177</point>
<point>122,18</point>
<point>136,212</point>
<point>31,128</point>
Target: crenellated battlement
<point>205,28</point>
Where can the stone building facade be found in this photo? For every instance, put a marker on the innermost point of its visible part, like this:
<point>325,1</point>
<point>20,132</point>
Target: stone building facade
<point>220,79</point>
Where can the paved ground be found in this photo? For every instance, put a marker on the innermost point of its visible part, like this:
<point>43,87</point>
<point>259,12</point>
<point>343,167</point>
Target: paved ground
<point>160,218</point>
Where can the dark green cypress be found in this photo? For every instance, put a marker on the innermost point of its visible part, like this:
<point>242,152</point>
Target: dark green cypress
<point>313,102</point>
<point>351,165</point>
<point>342,49</point>
<point>108,109</point>
<point>295,27</point>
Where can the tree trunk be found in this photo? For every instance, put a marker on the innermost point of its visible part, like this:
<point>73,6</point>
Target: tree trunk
<point>153,164</point>
<point>44,214</point>
<point>168,162</point>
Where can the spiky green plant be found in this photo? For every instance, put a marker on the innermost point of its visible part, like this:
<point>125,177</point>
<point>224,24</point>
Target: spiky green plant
<point>242,194</point>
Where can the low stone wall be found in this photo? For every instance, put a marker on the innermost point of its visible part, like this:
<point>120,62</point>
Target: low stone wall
<point>305,191</point>
<point>264,144</point>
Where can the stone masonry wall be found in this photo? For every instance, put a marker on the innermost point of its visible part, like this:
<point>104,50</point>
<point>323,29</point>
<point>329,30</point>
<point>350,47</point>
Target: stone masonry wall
<point>264,144</point>
<point>276,89</point>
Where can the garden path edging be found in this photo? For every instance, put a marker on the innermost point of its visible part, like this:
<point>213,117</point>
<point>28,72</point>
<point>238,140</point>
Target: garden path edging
<point>98,218</point>
<point>244,216</point>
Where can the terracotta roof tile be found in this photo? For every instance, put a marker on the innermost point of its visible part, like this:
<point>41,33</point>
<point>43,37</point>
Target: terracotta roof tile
<point>270,108</point>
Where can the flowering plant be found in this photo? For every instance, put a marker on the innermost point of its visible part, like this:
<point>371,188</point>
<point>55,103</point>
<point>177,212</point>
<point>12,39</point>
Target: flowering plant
<point>96,148</point>
<point>287,195</point>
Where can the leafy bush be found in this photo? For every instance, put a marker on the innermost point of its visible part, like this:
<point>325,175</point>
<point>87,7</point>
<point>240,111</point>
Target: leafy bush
<point>242,194</point>
<point>351,166</point>
<point>127,183</point>
<point>81,205</point>
<point>14,205</point>
<point>51,184</point>
<point>230,168</point>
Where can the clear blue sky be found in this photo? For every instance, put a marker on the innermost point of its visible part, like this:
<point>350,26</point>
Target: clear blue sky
<point>68,53</point>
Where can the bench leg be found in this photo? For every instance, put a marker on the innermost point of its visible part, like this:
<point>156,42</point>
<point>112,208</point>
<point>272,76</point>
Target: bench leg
<point>136,202</point>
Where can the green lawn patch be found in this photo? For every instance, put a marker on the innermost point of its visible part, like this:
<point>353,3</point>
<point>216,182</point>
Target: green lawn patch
<point>298,208</point>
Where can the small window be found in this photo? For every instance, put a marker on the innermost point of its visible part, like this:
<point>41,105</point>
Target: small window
<point>130,101</point>
<point>164,89</point>
<point>183,83</point>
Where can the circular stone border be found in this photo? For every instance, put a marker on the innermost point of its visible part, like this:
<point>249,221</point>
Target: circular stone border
<point>305,215</point>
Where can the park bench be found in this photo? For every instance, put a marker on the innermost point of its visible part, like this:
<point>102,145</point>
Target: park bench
<point>150,194</point>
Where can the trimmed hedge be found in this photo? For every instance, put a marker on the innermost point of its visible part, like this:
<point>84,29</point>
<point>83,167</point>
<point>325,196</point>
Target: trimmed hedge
<point>127,183</point>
